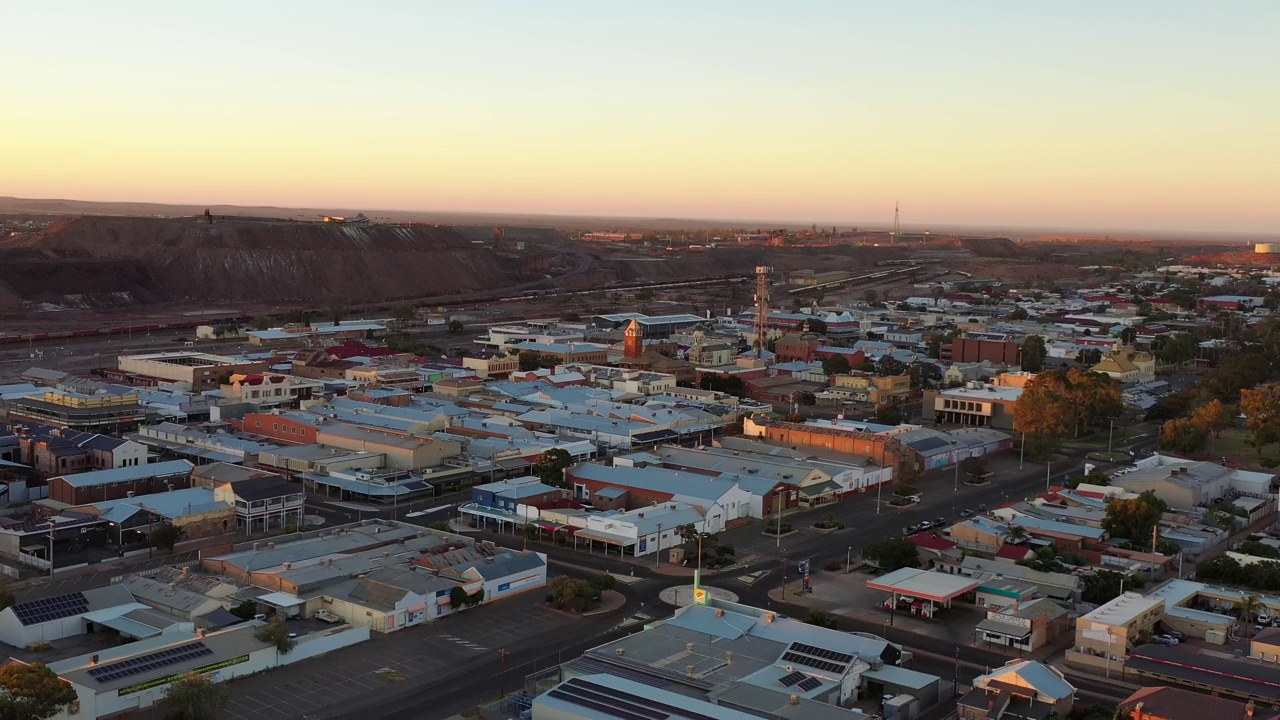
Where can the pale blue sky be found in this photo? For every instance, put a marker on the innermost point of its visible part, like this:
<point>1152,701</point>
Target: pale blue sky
<point>1154,115</point>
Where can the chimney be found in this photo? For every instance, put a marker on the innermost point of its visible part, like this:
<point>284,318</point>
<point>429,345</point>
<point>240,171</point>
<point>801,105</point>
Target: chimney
<point>768,617</point>
<point>688,647</point>
<point>719,612</point>
<point>128,493</point>
<point>619,652</point>
<point>93,659</point>
<point>271,546</point>
<point>328,562</point>
<point>186,572</point>
<point>1137,712</point>
<point>286,566</point>
<point>200,632</point>
<point>795,699</point>
<point>1248,709</point>
<point>728,657</point>
<point>688,670</point>
<point>256,545</point>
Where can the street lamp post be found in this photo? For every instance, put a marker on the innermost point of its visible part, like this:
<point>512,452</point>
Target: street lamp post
<point>1023,455</point>
<point>957,479</point>
<point>1110,430</point>
<point>1048,468</point>
<point>848,560</point>
<point>781,501</point>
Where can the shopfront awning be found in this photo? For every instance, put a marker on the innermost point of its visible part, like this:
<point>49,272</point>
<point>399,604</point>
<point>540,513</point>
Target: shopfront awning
<point>995,627</point>
<point>606,537</point>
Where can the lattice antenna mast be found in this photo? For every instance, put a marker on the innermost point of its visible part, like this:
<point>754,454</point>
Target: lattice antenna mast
<point>897,229</point>
<point>762,306</point>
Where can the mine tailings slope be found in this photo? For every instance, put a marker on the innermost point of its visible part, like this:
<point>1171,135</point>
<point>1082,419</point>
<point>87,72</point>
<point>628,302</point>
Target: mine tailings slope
<point>94,260</point>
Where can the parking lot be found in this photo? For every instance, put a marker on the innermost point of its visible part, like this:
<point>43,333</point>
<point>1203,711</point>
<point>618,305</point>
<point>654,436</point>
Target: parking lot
<point>419,654</point>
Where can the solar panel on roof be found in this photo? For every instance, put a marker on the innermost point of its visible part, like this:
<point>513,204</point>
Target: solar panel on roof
<point>792,679</point>
<point>55,608</point>
<point>809,683</point>
<point>148,662</point>
<point>823,653</point>
<point>814,663</point>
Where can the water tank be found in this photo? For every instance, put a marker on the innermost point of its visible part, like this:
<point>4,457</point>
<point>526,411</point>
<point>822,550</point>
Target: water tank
<point>1266,248</point>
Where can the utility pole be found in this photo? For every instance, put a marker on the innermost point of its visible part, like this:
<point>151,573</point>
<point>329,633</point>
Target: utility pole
<point>781,500</point>
<point>52,525</point>
<point>957,480</point>
<point>657,560</point>
<point>897,229</point>
<point>1048,466</point>
<point>1110,430</point>
<point>1023,455</point>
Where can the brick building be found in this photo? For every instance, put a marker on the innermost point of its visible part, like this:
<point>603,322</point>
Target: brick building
<point>292,428</point>
<point>884,450</point>
<point>120,483</point>
<point>1004,352</point>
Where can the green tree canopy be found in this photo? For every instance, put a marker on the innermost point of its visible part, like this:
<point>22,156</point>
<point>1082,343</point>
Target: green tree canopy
<point>1183,435</point>
<point>31,691</point>
<point>892,554</point>
<point>1134,519</point>
<point>1033,353</point>
<point>836,364</point>
<point>551,465</point>
<point>196,697</point>
<point>276,634</point>
<point>167,536</point>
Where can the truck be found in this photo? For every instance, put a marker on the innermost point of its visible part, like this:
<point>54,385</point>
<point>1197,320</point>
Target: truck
<point>327,616</point>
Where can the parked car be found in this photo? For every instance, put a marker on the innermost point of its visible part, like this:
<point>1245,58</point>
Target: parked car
<point>910,530</point>
<point>966,513</point>
<point>1166,640</point>
<point>926,525</point>
<point>914,498</point>
<point>1176,635</point>
<point>939,520</point>
<point>982,507</point>
<point>326,616</point>
<point>1263,619</point>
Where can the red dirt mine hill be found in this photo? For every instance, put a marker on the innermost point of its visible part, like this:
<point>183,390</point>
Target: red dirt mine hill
<point>103,261</point>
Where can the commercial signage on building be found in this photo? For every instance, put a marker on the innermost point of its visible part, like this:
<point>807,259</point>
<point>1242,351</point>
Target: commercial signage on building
<point>202,670</point>
<point>1010,619</point>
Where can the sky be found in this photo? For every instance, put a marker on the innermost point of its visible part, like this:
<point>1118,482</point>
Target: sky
<point>1088,114</point>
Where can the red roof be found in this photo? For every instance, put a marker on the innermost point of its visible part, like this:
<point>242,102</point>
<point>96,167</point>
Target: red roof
<point>355,348</point>
<point>929,541</point>
<point>1009,551</point>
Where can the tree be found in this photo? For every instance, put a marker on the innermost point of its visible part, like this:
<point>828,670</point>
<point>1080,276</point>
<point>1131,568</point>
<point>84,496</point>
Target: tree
<point>1017,534</point>
<point>1033,353</point>
<point>245,610</point>
<point>1134,519</point>
<point>1089,356</point>
<point>276,634</point>
<point>529,360</point>
<point>570,594</point>
<point>167,536</point>
<point>1041,411</point>
<point>1101,586</point>
<point>888,365</point>
<point>1249,607</point>
<point>974,467</point>
<point>261,322</point>
<point>336,309</point>
<point>1184,435</point>
<point>1018,313</point>
<point>889,414</point>
<point>893,554</point>
<point>7,599</point>
<point>1261,409</point>
<point>196,697</point>
<point>1176,349</point>
<point>870,297</point>
<point>551,465</point>
<point>924,375</point>
<point>403,314</point>
<point>816,326</point>
<point>836,364</point>
<point>1214,416</point>
<point>823,619</point>
<point>455,326</point>
<point>605,582</point>
<point>31,691</point>
<point>457,597</point>
<point>1259,549</point>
